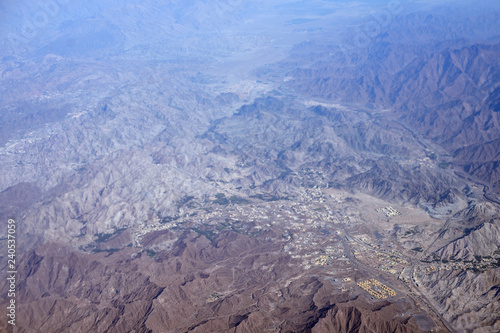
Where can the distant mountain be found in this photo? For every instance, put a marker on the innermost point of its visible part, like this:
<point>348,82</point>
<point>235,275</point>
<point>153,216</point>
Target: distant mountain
<point>447,91</point>
<point>202,166</point>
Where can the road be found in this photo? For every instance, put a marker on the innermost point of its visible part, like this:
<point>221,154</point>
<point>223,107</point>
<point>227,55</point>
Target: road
<point>375,273</point>
<point>487,193</point>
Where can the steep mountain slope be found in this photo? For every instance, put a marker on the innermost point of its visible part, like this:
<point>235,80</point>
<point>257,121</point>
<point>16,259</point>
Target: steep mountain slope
<point>450,94</point>
<point>350,146</point>
<point>199,166</point>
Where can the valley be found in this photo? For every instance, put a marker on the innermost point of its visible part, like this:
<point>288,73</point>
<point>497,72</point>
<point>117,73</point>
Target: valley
<point>251,167</point>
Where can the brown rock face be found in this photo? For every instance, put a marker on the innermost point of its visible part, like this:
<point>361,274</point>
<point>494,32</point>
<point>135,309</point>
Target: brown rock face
<point>235,284</point>
<point>66,291</point>
<point>357,317</point>
<point>250,166</point>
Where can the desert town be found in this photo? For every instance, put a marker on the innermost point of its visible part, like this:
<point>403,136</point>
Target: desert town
<point>320,229</point>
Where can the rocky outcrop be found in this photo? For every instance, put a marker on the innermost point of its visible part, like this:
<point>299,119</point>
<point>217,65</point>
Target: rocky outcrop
<point>235,284</point>
<point>468,300</point>
<point>481,240</point>
<point>117,119</point>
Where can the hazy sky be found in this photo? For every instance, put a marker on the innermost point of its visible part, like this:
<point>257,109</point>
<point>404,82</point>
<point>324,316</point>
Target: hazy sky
<point>30,26</point>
